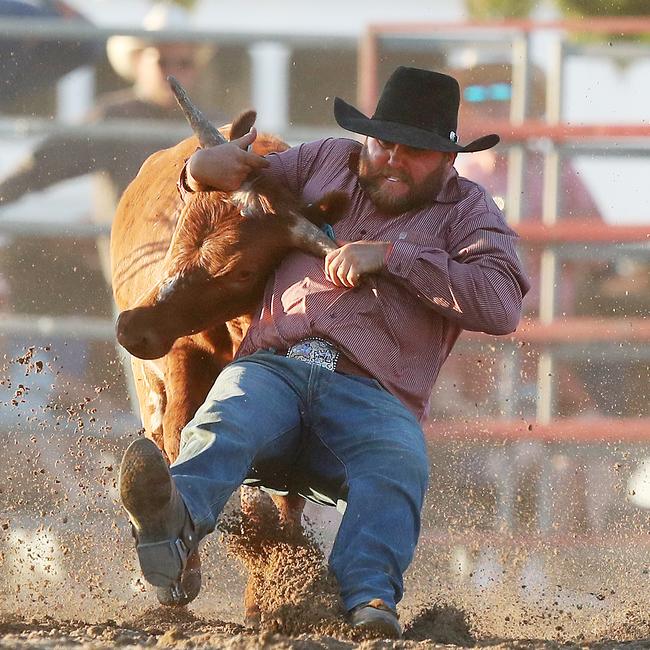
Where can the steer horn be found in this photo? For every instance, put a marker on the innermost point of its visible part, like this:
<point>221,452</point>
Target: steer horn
<point>304,233</point>
<point>207,133</point>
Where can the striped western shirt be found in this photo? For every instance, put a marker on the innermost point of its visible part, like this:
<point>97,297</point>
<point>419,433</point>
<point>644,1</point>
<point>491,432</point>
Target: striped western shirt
<point>453,266</point>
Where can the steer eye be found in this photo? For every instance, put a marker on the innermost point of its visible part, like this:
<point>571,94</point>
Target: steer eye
<point>248,212</point>
<point>167,287</point>
<point>180,283</point>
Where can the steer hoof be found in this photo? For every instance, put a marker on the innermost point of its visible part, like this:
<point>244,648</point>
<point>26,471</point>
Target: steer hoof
<point>253,619</point>
<point>187,589</point>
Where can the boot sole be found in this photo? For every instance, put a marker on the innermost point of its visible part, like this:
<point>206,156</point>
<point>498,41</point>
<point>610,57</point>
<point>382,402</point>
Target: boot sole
<point>145,483</point>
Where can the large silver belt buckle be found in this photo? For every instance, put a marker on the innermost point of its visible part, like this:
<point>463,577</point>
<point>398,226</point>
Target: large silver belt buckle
<point>316,352</point>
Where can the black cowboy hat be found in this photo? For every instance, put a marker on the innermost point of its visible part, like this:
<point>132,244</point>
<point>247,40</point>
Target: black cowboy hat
<point>418,108</point>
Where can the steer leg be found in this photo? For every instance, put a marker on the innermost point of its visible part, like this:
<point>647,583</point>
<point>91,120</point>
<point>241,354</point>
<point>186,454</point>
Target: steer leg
<point>193,364</point>
<point>256,509</point>
<point>290,509</point>
<point>151,398</point>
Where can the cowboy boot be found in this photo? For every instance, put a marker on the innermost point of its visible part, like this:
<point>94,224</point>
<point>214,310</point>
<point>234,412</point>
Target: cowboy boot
<point>165,537</point>
<point>377,619</point>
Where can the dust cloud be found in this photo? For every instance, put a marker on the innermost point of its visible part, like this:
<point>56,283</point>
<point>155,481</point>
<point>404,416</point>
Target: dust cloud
<point>70,578</point>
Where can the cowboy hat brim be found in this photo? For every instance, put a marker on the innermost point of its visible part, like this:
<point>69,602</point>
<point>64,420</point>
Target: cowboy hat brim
<point>351,119</point>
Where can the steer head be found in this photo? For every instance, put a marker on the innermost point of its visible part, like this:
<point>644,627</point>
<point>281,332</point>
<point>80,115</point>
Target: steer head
<point>223,248</point>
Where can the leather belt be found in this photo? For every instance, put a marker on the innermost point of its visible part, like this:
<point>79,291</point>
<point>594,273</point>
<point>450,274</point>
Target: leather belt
<point>320,352</point>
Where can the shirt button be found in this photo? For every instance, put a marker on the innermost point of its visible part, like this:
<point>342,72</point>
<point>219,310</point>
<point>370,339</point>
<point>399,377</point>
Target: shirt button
<point>362,232</point>
<point>398,267</point>
<point>332,315</point>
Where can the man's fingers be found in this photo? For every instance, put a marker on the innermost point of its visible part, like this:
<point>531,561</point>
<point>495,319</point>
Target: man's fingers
<point>339,270</point>
<point>343,275</point>
<point>352,278</point>
<point>250,159</point>
<point>256,162</point>
<point>246,140</point>
<point>331,266</point>
<point>349,265</point>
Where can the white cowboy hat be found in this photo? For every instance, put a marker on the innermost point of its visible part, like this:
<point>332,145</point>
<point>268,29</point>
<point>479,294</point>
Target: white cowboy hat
<point>122,50</point>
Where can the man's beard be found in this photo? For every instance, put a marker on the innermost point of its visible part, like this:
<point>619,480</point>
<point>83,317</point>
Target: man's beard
<point>373,183</point>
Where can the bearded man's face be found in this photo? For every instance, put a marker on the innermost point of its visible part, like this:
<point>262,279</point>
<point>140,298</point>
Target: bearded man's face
<point>399,178</point>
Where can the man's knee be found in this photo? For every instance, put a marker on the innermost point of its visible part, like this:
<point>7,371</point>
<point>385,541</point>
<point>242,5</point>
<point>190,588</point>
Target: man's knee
<point>397,464</point>
<point>412,467</point>
<point>420,469</point>
<point>403,453</point>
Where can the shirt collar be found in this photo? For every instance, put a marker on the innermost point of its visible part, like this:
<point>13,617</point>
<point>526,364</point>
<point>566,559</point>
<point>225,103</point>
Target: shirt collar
<point>450,191</point>
<point>353,160</point>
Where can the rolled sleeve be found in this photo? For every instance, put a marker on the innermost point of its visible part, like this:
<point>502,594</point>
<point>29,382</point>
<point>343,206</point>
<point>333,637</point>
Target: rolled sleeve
<point>480,287</point>
<point>183,185</point>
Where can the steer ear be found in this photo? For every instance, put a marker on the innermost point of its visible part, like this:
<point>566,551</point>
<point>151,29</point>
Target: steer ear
<point>242,124</point>
<point>328,209</point>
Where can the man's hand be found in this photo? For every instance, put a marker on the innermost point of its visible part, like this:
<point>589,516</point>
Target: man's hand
<point>226,166</point>
<point>345,266</point>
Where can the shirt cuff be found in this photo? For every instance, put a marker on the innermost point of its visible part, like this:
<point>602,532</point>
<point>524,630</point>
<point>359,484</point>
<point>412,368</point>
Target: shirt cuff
<point>401,257</point>
<point>183,184</point>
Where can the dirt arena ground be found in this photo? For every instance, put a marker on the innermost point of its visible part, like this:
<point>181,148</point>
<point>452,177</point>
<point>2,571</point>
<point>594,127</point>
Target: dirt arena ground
<point>69,575</point>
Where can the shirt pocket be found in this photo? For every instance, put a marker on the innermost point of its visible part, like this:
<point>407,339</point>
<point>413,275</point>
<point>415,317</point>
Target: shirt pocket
<point>369,315</point>
<point>420,238</point>
<point>293,298</point>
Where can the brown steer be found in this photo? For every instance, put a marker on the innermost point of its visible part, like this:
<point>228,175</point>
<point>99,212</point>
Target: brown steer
<point>186,277</point>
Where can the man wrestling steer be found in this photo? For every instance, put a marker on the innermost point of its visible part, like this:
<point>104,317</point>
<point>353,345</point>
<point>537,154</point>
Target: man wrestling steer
<point>335,372</point>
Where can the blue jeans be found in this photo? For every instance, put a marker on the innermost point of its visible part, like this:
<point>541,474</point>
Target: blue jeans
<point>300,426</point>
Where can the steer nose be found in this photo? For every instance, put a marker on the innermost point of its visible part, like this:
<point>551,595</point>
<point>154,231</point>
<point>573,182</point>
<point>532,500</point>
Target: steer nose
<point>137,338</point>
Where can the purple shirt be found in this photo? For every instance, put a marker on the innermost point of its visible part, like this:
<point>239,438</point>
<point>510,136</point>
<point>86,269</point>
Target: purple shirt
<point>453,266</point>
